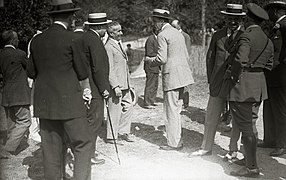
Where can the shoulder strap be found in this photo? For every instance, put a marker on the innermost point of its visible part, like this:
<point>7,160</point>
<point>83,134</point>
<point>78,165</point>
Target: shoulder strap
<point>260,52</point>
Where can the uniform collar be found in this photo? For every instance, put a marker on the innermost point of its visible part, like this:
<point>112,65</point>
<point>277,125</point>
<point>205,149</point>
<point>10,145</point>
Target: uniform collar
<point>9,45</point>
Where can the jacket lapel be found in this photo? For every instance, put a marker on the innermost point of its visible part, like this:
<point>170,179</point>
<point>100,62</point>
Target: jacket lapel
<point>116,46</point>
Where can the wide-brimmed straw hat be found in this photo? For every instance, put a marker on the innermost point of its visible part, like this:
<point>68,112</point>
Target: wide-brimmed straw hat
<point>161,13</point>
<point>280,3</point>
<point>62,6</point>
<point>233,10</point>
<point>97,19</point>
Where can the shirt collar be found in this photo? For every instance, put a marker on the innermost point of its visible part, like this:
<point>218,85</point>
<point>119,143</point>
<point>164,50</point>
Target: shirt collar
<point>62,24</point>
<point>280,18</point>
<point>78,30</point>
<point>9,45</point>
<point>164,26</point>
<point>235,31</point>
<point>180,30</point>
<point>95,32</point>
<point>115,40</point>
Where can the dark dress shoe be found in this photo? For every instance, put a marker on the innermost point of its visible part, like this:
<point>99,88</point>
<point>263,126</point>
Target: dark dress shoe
<point>111,141</point>
<point>125,137</point>
<point>246,172</point>
<point>240,162</point>
<point>265,145</point>
<point>97,161</point>
<point>170,148</point>
<point>278,152</point>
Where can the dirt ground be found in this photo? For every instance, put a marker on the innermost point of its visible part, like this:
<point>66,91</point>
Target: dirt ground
<point>142,159</point>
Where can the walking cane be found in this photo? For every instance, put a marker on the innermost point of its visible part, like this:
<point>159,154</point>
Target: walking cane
<point>112,132</point>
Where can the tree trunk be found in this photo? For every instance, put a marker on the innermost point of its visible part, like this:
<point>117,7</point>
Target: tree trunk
<point>203,24</point>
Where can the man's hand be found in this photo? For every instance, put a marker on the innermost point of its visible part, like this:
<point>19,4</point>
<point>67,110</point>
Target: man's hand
<point>87,95</point>
<point>105,94</point>
<point>149,59</point>
<point>118,91</point>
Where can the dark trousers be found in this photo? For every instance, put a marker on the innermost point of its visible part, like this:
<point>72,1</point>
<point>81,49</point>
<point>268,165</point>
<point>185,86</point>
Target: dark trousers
<point>274,117</point>
<point>95,118</point>
<point>151,88</point>
<point>245,115</point>
<point>18,122</point>
<point>52,134</point>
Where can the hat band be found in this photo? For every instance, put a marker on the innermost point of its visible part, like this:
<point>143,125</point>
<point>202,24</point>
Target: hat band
<point>230,10</point>
<point>160,14</point>
<point>63,7</point>
<point>97,20</point>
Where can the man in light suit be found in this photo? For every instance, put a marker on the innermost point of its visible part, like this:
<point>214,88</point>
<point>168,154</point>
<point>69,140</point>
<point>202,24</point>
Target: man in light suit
<point>222,44</point>
<point>176,74</point>
<point>92,50</point>
<point>274,108</point>
<point>177,24</point>
<point>120,104</point>
<point>16,97</point>
<point>252,56</point>
<point>58,96</point>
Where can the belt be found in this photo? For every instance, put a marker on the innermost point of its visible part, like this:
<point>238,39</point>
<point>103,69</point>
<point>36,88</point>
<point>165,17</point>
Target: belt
<point>247,69</point>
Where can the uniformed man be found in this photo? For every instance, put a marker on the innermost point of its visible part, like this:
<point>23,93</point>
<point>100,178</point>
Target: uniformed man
<point>253,54</point>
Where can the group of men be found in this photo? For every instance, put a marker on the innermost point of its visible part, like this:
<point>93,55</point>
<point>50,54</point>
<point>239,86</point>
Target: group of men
<point>245,67</point>
<point>75,73</point>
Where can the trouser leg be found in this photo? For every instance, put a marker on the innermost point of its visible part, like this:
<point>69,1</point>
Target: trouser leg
<point>234,137</point>
<point>214,109</point>
<point>151,87</point>
<point>127,112</point>
<point>249,144</point>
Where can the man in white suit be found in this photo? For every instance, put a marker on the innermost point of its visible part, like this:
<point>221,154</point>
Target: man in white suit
<point>120,103</point>
<point>176,74</point>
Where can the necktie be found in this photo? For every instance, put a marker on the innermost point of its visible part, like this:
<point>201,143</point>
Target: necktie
<point>122,49</point>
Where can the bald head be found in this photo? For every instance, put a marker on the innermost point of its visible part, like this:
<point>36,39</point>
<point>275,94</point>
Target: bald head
<point>176,24</point>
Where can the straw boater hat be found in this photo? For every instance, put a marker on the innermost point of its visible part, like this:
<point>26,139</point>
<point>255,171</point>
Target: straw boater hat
<point>281,3</point>
<point>62,6</point>
<point>97,19</point>
<point>233,10</point>
<point>161,13</point>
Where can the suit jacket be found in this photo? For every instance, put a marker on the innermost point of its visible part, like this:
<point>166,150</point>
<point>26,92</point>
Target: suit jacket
<point>151,49</point>
<point>91,50</point>
<point>219,50</point>
<point>251,86</point>
<point>16,90</point>
<point>173,56</point>
<point>118,69</point>
<point>58,94</point>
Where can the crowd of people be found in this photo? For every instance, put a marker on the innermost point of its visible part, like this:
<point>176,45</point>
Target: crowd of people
<point>75,74</point>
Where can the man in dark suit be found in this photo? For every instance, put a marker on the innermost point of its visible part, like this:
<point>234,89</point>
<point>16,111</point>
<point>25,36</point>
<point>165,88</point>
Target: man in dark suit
<point>152,72</point>
<point>274,109</point>
<point>58,96</point>
<point>94,54</point>
<point>253,54</point>
<point>16,92</point>
<point>222,44</point>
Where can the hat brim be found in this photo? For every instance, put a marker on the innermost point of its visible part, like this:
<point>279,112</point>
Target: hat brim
<point>275,4</point>
<point>164,17</point>
<point>106,22</point>
<point>233,14</point>
<point>63,11</point>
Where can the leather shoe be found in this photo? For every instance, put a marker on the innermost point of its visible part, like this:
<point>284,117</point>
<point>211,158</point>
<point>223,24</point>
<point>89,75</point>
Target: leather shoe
<point>170,148</point>
<point>97,161</point>
<point>265,145</point>
<point>111,141</point>
<point>278,152</point>
<point>125,137</point>
<point>201,152</point>
<point>240,162</point>
<point>246,172</point>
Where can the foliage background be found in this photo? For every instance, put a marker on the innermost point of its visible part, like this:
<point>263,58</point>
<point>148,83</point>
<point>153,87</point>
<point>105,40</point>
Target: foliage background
<point>25,17</point>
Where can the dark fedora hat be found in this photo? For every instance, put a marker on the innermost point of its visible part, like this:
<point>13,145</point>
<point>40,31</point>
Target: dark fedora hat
<point>161,13</point>
<point>271,3</point>
<point>62,6</point>
<point>256,12</point>
<point>233,10</point>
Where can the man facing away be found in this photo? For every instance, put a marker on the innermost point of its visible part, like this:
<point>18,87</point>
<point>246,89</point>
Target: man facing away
<point>120,104</point>
<point>58,97</point>
<point>16,92</point>
<point>92,50</point>
<point>152,72</point>
<point>176,74</point>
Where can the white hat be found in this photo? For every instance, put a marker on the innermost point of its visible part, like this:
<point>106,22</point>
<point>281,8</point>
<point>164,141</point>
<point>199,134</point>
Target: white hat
<point>97,19</point>
<point>234,10</point>
<point>161,13</point>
